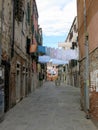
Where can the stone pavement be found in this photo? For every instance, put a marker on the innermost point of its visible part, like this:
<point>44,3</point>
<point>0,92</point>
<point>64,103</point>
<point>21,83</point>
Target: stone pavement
<point>49,107</point>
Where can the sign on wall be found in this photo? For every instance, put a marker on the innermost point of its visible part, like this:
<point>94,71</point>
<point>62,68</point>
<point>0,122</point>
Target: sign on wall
<point>94,81</point>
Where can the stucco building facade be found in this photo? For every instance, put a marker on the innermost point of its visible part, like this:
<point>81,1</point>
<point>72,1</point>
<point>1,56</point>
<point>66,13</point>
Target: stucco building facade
<point>72,74</point>
<point>19,31</point>
<point>72,68</point>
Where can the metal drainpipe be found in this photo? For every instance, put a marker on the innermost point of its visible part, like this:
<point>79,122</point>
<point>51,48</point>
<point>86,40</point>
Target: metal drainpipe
<point>86,89</point>
<point>13,30</point>
<point>2,18</point>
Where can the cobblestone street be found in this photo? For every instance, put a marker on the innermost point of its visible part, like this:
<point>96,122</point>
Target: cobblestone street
<point>49,107</point>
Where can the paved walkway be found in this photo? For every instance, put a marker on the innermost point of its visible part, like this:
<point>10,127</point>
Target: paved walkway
<point>48,108</point>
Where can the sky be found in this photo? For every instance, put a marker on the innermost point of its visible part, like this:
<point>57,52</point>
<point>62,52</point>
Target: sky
<point>55,19</point>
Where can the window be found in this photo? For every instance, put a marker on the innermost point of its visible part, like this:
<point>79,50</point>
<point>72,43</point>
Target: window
<point>70,35</point>
<point>19,12</point>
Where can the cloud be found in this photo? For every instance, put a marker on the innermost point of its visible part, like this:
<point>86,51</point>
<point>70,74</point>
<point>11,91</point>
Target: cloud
<point>56,17</point>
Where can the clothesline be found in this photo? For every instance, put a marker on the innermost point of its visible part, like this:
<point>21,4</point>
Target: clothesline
<point>58,56</point>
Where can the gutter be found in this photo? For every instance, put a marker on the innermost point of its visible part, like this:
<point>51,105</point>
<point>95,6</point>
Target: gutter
<point>13,30</point>
<point>2,18</point>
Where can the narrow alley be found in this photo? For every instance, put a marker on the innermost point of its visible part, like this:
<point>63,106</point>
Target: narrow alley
<point>49,107</point>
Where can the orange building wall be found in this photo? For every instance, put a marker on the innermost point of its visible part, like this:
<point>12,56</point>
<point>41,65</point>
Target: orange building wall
<point>92,25</point>
<point>92,29</point>
<point>93,32</point>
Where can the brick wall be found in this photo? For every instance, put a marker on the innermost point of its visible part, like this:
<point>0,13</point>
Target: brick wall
<point>92,29</point>
<point>93,86</point>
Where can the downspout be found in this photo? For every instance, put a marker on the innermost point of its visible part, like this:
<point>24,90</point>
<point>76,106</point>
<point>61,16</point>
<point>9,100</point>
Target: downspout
<point>2,18</point>
<point>86,87</point>
<point>13,30</point>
